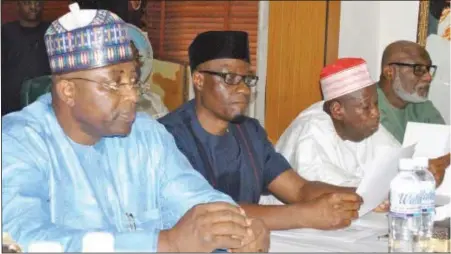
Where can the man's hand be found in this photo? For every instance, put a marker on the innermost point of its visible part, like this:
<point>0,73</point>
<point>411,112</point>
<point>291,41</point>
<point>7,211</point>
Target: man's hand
<point>207,227</point>
<point>437,167</point>
<point>258,241</point>
<point>383,207</point>
<point>334,210</point>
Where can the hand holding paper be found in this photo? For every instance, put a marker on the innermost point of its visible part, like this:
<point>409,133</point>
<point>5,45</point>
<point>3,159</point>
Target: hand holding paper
<point>437,167</point>
<point>375,185</point>
<point>382,208</point>
<point>333,210</point>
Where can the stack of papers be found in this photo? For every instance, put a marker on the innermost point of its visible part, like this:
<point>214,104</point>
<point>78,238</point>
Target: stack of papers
<point>351,234</point>
<point>362,236</point>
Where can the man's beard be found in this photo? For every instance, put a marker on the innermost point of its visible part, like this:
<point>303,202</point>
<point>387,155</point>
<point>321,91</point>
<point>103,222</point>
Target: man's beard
<point>238,119</point>
<point>404,95</point>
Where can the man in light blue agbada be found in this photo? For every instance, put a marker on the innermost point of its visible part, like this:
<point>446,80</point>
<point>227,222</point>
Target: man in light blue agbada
<point>81,160</point>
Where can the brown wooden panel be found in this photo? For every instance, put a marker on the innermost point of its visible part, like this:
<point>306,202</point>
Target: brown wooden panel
<point>296,43</point>
<point>9,11</point>
<point>55,9</point>
<point>243,16</point>
<point>153,15</point>
<point>174,24</point>
<point>333,31</point>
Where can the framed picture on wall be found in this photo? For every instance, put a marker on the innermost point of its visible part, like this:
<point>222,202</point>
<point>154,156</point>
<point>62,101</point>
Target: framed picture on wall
<point>434,35</point>
<point>433,18</point>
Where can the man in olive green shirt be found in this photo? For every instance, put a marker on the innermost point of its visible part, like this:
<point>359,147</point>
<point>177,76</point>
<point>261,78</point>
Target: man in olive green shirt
<point>404,83</point>
<point>406,74</point>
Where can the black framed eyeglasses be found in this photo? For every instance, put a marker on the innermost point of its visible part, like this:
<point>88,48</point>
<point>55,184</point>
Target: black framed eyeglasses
<point>114,86</point>
<point>234,78</point>
<point>418,69</point>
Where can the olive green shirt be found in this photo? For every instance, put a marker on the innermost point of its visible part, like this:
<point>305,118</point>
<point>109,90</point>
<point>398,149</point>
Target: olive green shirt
<point>395,120</point>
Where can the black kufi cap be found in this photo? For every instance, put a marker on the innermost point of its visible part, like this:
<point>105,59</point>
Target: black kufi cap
<point>218,45</point>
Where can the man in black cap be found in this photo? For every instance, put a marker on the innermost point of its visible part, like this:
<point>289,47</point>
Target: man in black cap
<point>232,151</point>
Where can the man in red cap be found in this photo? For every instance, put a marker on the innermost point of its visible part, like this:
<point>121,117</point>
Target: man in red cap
<point>232,151</point>
<point>332,140</point>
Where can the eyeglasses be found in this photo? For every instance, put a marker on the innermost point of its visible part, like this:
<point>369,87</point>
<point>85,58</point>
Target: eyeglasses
<point>114,87</point>
<point>234,78</point>
<point>419,69</point>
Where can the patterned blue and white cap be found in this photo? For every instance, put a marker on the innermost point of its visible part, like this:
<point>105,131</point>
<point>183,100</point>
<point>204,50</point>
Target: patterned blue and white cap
<point>87,39</point>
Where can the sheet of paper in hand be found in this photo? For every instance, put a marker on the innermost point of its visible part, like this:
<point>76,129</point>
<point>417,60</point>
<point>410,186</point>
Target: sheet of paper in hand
<point>433,140</point>
<point>375,185</point>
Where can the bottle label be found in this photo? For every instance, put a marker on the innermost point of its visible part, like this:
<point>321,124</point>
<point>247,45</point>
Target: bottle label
<point>427,194</point>
<point>405,203</point>
<point>404,215</point>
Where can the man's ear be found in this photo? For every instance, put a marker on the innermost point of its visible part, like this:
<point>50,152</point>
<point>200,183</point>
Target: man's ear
<point>387,72</point>
<point>336,110</point>
<point>65,90</point>
<point>198,81</point>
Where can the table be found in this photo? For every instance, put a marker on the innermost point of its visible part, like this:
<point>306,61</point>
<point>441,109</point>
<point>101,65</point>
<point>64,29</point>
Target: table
<point>370,238</point>
<point>316,241</point>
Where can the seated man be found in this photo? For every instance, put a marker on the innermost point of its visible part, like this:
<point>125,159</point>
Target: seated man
<point>81,160</point>
<point>406,75</point>
<point>404,83</point>
<point>232,151</point>
<point>332,140</point>
<point>23,51</point>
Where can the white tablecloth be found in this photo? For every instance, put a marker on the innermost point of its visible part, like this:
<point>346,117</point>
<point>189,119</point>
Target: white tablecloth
<point>309,240</point>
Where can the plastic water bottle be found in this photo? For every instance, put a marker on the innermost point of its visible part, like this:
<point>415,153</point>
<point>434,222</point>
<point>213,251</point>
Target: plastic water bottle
<point>405,209</point>
<point>427,189</point>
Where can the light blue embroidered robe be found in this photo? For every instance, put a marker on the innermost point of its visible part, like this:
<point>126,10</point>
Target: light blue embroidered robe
<point>54,189</point>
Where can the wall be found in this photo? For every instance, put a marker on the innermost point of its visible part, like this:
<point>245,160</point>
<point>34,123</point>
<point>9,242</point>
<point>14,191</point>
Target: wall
<point>257,106</point>
<point>366,27</point>
<point>302,37</point>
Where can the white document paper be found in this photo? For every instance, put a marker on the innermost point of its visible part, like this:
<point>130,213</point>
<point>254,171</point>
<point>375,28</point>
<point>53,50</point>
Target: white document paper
<point>433,140</point>
<point>362,237</point>
<point>351,234</point>
<point>373,220</point>
<point>375,185</point>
